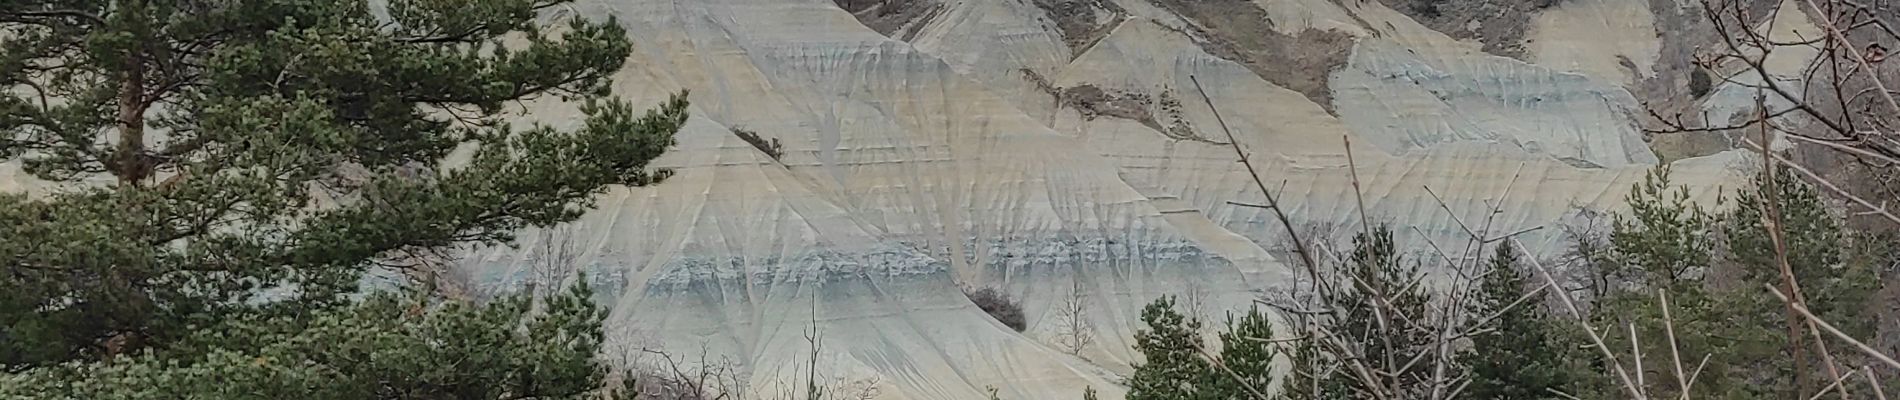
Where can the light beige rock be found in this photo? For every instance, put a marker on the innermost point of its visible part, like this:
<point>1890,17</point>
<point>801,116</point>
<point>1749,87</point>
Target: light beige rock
<point>1610,40</point>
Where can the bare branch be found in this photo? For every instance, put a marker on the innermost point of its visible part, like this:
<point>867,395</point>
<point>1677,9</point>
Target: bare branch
<point>1273,203</point>
<point>1874,381</point>
<point>1534,293</point>
<point>1518,232</point>
<point>1690,387</point>
<point>1636,352</point>
<point>1830,387</point>
<point>1608,356</point>
<point>1675,355</point>
<point>1561,394</point>
<point>1880,210</point>
<point>1237,203</point>
<point>1771,221</point>
<point>1357,193</point>
<point>1863,347</point>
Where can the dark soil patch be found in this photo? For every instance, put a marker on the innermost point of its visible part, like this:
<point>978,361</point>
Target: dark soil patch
<point>1082,22</point>
<point>1178,126</point>
<point>1501,24</point>
<point>1040,81</point>
<point>1094,102</point>
<point>1238,30</point>
<point>897,19</point>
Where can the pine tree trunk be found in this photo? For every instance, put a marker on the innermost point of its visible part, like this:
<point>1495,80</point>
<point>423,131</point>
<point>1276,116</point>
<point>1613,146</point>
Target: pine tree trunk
<point>128,160</point>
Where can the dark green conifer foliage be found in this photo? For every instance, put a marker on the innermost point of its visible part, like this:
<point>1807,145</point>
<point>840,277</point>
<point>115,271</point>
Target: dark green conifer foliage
<point>1173,367</point>
<point>1666,241</point>
<point>1837,286</point>
<point>1177,368</point>
<point>1388,307</point>
<point>1246,350</point>
<point>1667,245</point>
<point>386,347</point>
<point>1313,374</point>
<point>227,160</point>
<point>1522,355</point>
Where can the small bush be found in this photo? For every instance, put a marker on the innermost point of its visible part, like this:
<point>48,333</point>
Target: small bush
<point>1700,83</point>
<point>770,147</point>
<point>999,306</point>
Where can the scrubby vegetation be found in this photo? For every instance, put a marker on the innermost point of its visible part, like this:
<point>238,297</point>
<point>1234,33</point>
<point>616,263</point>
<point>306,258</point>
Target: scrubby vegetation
<point>1700,83</point>
<point>998,305</point>
<point>770,147</point>
<point>1674,295</point>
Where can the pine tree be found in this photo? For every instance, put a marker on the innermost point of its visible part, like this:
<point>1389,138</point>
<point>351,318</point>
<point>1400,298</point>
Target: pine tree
<point>1817,247</point>
<point>1387,307</point>
<point>1314,375</point>
<point>382,348</point>
<point>1377,324</point>
<point>1837,287</point>
<point>1667,240</point>
<point>1666,245</point>
<point>1246,350</point>
<point>1173,367</point>
<point>1522,357</point>
<point>232,160</point>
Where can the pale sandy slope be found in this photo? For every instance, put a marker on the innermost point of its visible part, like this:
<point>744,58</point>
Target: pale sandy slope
<point>1611,40</point>
<point>912,170</point>
<point>901,180</point>
<point>1424,109</point>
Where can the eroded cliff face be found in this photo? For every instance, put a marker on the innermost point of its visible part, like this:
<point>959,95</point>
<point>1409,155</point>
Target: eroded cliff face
<point>1040,145</point>
<point>1036,146</point>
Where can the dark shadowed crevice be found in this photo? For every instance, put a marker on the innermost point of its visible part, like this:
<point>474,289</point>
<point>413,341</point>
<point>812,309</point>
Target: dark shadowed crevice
<point>1239,31</point>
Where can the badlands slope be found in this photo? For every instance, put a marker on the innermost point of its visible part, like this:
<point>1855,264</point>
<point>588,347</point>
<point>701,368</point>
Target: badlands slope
<point>1036,146</point>
<point>1039,145</point>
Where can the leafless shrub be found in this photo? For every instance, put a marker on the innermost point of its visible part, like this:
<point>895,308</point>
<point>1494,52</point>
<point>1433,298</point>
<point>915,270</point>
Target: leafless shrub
<point>1074,332</point>
<point>659,375</point>
<point>555,260</point>
<point>1839,105</point>
<point>1194,301</point>
<point>678,378</point>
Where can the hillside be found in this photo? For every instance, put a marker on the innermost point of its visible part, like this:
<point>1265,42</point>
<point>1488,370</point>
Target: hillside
<point>1034,146</point>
